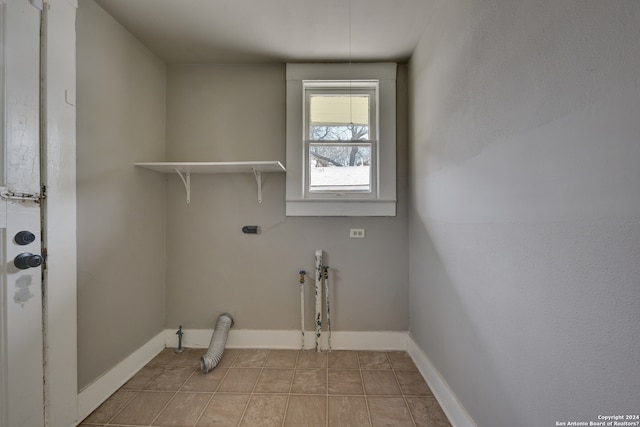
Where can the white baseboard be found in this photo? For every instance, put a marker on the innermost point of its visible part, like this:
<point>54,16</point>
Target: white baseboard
<point>458,416</point>
<point>292,339</point>
<point>98,391</point>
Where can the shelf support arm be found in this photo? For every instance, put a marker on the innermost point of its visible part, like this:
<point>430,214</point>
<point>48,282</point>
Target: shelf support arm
<point>258,176</point>
<point>186,180</point>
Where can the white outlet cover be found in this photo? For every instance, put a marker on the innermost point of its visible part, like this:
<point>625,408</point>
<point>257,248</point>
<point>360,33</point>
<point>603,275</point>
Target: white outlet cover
<point>356,233</point>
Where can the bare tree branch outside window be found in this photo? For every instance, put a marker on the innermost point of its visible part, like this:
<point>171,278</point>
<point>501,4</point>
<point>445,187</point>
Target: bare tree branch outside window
<point>347,155</point>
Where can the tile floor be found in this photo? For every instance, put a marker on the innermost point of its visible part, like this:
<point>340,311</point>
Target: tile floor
<point>259,387</point>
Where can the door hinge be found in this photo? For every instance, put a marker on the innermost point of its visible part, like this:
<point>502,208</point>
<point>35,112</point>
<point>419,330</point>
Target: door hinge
<point>23,197</point>
<point>37,4</point>
<point>45,254</point>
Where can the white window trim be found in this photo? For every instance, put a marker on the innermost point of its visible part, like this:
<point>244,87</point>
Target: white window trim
<point>368,87</point>
<point>383,203</point>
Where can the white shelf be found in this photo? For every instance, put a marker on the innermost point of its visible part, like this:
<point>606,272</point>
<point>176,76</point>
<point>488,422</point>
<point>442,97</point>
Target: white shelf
<point>213,167</point>
<point>185,169</point>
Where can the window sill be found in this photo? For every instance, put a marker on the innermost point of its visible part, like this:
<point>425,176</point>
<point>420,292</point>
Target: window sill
<point>342,207</point>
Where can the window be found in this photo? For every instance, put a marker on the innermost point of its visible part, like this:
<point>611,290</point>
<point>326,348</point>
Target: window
<point>341,140</point>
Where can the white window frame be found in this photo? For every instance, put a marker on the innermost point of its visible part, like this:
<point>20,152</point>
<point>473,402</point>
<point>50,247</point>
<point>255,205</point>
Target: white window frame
<point>351,87</point>
<point>381,200</point>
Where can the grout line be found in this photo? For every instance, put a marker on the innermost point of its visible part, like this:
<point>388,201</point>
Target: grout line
<point>163,408</point>
<point>326,400</point>
<point>187,380</point>
<point>135,393</point>
<point>404,398</point>
<point>293,377</point>
<point>244,411</point>
<point>364,390</point>
<point>204,409</point>
<point>213,393</point>
<point>210,397</point>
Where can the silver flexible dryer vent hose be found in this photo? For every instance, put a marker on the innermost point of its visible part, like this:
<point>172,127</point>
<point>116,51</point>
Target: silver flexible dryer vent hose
<point>218,341</point>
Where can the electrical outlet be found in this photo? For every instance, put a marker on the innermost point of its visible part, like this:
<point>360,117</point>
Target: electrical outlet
<point>356,233</point>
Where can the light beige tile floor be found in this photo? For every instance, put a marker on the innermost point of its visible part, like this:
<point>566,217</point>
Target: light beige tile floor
<point>258,387</point>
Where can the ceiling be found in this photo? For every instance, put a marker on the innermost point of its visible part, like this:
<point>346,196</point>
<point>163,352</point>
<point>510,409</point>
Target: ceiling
<point>233,31</point>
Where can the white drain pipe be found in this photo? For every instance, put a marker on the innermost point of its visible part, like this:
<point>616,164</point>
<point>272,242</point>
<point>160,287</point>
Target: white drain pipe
<point>218,341</point>
<point>325,271</point>
<point>318,315</point>
<point>302,273</point>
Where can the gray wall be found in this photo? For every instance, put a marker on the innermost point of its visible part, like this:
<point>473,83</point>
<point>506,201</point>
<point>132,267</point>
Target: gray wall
<point>121,210</point>
<point>135,246</point>
<point>237,113</point>
<point>525,207</point>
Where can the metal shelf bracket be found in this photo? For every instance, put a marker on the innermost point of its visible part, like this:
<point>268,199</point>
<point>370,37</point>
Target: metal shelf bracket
<point>186,180</point>
<point>258,176</point>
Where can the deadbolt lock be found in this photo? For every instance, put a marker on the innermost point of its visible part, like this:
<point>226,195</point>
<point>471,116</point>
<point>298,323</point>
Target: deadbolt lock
<point>24,237</point>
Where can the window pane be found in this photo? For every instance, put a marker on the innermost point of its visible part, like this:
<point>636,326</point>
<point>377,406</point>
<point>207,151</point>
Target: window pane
<point>339,133</point>
<point>340,167</point>
<point>339,117</point>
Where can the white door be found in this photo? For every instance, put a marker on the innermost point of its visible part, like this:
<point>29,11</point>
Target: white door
<point>21,337</point>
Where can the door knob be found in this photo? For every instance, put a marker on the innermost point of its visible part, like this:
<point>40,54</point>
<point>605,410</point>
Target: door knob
<point>28,260</point>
